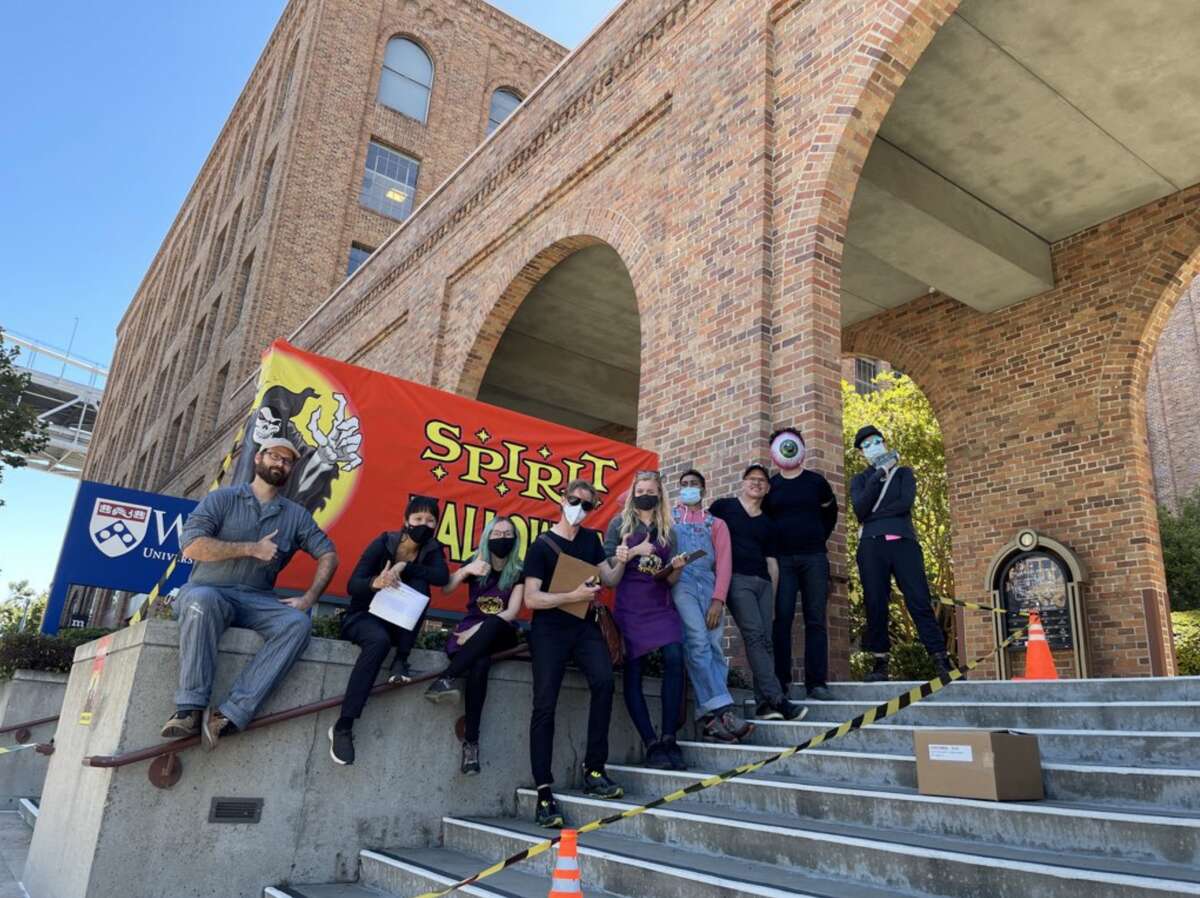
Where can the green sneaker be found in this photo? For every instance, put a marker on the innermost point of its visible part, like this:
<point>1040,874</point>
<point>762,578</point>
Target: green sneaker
<point>548,815</point>
<point>596,782</point>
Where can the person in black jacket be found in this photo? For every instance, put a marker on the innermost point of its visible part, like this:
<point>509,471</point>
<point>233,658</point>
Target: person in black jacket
<point>412,556</point>
<point>882,497</point>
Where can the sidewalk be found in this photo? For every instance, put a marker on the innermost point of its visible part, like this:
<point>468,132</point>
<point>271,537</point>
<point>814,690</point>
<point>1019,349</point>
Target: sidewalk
<point>14,846</point>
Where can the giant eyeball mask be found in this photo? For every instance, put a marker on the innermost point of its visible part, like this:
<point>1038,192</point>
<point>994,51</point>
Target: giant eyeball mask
<point>787,450</point>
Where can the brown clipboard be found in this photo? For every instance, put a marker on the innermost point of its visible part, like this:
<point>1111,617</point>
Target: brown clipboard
<point>569,574</point>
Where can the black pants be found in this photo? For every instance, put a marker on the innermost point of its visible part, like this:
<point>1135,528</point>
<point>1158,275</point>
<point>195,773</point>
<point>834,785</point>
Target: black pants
<point>375,638</point>
<point>807,575</point>
<point>878,560</point>
<point>556,638</point>
<point>473,661</point>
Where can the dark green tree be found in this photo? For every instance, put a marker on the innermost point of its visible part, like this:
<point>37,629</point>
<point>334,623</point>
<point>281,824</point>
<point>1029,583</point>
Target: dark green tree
<point>21,433</point>
<point>1180,535</point>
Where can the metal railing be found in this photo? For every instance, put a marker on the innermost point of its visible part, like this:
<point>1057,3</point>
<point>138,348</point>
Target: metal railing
<point>23,728</point>
<point>166,768</point>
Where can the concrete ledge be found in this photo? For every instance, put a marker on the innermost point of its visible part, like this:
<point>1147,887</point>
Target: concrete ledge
<point>29,695</point>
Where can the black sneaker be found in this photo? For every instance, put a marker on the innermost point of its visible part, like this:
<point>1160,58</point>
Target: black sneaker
<point>595,782</point>
<point>548,815</point>
<point>442,690</point>
<point>820,694</point>
<point>674,753</point>
<point>182,725</point>
<point>400,672</point>
<point>470,758</point>
<point>788,711</point>
<point>879,673</point>
<point>767,711</point>
<point>656,757</point>
<point>341,746</point>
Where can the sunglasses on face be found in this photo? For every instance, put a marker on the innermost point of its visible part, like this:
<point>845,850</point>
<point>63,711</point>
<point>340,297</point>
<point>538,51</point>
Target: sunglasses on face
<point>872,441</point>
<point>587,504</point>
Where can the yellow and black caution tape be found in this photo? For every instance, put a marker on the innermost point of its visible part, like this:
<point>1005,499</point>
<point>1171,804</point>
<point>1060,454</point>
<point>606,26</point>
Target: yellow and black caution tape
<point>148,605</point>
<point>16,748</point>
<point>873,715</point>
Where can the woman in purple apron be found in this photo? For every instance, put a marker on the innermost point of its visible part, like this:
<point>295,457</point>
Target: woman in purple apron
<point>494,586</point>
<point>641,543</point>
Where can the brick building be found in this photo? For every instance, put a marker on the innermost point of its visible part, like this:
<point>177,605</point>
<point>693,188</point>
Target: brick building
<point>683,228</point>
<point>1171,420</point>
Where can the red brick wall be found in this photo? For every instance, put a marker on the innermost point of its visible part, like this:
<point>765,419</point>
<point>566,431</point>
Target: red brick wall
<point>1171,419</point>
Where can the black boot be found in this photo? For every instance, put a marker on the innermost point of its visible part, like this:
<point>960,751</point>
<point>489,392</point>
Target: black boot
<point>941,663</point>
<point>879,673</point>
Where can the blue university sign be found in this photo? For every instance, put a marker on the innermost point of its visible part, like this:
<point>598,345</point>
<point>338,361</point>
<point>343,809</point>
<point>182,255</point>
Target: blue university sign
<point>117,539</point>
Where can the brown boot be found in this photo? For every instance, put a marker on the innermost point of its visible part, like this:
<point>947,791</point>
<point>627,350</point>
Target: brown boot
<point>215,726</point>
<point>182,725</point>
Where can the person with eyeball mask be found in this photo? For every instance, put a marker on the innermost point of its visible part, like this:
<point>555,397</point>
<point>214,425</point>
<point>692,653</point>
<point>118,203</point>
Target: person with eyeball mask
<point>883,496</point>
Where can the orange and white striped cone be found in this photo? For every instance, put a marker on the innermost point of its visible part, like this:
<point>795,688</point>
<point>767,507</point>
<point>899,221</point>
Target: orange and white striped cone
<point>1039,663</point>
<point>565,883</point>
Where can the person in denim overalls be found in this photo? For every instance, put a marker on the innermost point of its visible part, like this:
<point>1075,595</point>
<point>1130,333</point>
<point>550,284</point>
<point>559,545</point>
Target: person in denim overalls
<point>699,597</point>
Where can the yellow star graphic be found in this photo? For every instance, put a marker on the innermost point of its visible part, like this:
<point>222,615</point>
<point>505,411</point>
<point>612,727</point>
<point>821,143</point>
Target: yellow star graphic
<point>482,435</point>
<point>502,488</point>
<point>544,452</point>
<point>439,472</point>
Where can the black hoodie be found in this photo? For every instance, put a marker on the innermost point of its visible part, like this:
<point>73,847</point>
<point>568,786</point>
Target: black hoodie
<point>429,569</point>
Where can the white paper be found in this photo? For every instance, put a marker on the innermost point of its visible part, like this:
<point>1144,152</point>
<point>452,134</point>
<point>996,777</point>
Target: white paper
<point>400,605</point>
<point>960,753</point>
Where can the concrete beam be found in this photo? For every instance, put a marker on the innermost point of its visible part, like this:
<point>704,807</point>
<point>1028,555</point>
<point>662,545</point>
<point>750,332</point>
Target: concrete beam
<point>911,218</point>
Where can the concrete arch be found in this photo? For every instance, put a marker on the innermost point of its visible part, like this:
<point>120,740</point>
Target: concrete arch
<point>531,256</point>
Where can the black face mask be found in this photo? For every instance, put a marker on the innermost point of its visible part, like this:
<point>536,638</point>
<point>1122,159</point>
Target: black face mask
<point>647,502</point>
<point>501,546</point>
<point>420,534</point>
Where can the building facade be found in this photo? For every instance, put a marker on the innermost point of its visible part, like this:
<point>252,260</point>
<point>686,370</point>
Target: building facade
<point>683,230</point>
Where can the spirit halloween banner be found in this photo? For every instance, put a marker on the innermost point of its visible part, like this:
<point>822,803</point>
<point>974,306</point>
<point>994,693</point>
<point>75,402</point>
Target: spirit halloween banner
<point>368,441</point>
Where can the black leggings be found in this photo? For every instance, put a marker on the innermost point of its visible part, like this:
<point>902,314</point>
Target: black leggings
<point>375,638</point>
<point>473,661</point>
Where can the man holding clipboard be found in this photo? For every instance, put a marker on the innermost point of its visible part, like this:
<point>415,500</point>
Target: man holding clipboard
<point>564,569</point>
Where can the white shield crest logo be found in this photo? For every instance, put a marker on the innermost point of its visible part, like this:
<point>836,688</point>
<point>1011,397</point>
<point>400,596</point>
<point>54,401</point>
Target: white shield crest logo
<point>118,527</point>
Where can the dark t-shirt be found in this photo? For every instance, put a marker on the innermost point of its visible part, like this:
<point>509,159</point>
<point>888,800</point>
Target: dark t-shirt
<point>541,560</point>
<point>804,512</point>
<point>751,539</point>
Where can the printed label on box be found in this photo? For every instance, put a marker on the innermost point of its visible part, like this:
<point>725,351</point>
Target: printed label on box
<point>960,753</point>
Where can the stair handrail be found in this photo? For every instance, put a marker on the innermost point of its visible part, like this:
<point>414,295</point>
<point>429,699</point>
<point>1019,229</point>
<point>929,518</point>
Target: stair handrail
<point>174,746</point>
<point>27,724</point>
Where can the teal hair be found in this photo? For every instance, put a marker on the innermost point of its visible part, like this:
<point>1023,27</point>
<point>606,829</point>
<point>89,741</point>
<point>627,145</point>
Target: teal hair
<point>511,571</point>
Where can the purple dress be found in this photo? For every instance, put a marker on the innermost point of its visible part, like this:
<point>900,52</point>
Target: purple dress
<point>644,611</point>
<point>485,598</point>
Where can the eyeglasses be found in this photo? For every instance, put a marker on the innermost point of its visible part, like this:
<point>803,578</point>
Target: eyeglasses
<point>280,459</point>
<point>587,504</point>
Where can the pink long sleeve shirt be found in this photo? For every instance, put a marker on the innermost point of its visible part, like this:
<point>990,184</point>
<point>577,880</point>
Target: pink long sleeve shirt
<point>720,539</point>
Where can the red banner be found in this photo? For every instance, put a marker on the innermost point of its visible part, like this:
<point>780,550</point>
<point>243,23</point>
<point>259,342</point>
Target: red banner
<point>368,441</point>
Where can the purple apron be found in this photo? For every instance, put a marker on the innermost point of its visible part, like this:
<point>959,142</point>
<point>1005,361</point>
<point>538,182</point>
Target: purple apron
<point>485,598</point>
<point>644,611</point>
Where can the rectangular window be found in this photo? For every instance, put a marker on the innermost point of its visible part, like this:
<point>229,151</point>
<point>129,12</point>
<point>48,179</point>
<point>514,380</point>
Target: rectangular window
<point>358,255</point>
<point>264,186</point>
<point>167,461</point>
<point>285,85</point>
<point>240,288</point>
<point>865,372</point>
<point>218,393</point>
<point>214,261</point>
<point>389,182</point>
<point>234,223</point>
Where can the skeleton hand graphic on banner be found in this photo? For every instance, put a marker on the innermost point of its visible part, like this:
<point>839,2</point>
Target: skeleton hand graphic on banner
<point>339,446</point>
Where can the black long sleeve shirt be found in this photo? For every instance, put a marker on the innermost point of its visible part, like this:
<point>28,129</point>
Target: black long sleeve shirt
<point>893,517</point>
<point>804,511</point>
<point>427,570</point>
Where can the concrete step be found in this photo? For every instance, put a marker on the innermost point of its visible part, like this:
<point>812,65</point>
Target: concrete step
<point>1139,716</point>
<point>1109,747</point>
<point>1057,826</point>
<point>28,809</point>
<point>667,853</point>
<point>1131,788</point>
<point>412,871</point>
<point>330,890</point>
<point>1130,689</point>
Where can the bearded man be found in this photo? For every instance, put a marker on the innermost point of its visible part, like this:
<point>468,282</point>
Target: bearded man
<point>240,538</point>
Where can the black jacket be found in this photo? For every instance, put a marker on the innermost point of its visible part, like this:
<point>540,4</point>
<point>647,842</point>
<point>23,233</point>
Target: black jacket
<point>894,515</point>
<point>429,568</point>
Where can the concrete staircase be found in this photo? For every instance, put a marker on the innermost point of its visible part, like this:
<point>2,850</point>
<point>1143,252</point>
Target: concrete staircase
<point>1121,817</point>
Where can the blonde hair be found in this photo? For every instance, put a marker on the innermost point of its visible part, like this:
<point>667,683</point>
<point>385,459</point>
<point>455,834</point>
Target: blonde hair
<point>662,512</point>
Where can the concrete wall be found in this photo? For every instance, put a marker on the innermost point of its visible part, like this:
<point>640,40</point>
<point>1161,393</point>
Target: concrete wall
<point>29,695</point>
<point>127,837</point>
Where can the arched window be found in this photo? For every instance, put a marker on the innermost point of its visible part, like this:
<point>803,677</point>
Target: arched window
<point>407,79</point>
<point>503,103</point>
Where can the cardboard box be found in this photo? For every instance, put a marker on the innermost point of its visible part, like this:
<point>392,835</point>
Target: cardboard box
<point>992,764</point>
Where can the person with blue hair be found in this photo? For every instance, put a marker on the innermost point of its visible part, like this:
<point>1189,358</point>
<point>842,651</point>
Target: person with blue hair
<point>495,588</point>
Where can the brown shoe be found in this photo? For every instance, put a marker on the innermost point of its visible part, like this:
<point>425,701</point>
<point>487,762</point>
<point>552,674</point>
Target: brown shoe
<point>182,725</point>
<point>215,725</point>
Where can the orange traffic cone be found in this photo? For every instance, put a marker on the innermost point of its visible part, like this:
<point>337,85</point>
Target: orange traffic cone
<point>566,871</point>
<point>1039,665</point>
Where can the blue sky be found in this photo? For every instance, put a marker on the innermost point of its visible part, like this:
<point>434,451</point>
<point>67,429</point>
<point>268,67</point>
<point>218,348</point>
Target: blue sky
<point>98,148</point>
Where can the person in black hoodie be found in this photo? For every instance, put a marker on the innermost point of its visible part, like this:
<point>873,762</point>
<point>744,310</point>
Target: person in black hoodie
<point>882,497</point>
<point>412,556</point>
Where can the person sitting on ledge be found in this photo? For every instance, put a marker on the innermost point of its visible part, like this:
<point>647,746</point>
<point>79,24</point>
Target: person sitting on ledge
<point>494,584</point>
<point>240,538</point>
<point>411,556</point>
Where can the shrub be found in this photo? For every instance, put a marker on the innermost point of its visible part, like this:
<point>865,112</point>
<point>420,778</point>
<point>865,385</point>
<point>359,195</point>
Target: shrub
<point>909,661</point>
<point>1180,535</point>
<point>1187,642</point>
<point>327,626</point>
<point>33,651</point>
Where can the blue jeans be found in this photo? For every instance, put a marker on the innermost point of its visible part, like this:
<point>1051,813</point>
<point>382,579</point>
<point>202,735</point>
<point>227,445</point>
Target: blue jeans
<point>706,662</point>
<point>807,575</point>
<point>204,613</point>
<point>672,693</point>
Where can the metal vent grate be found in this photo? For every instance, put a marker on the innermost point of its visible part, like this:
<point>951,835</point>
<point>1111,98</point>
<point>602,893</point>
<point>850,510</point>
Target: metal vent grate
<point>235,810</point>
